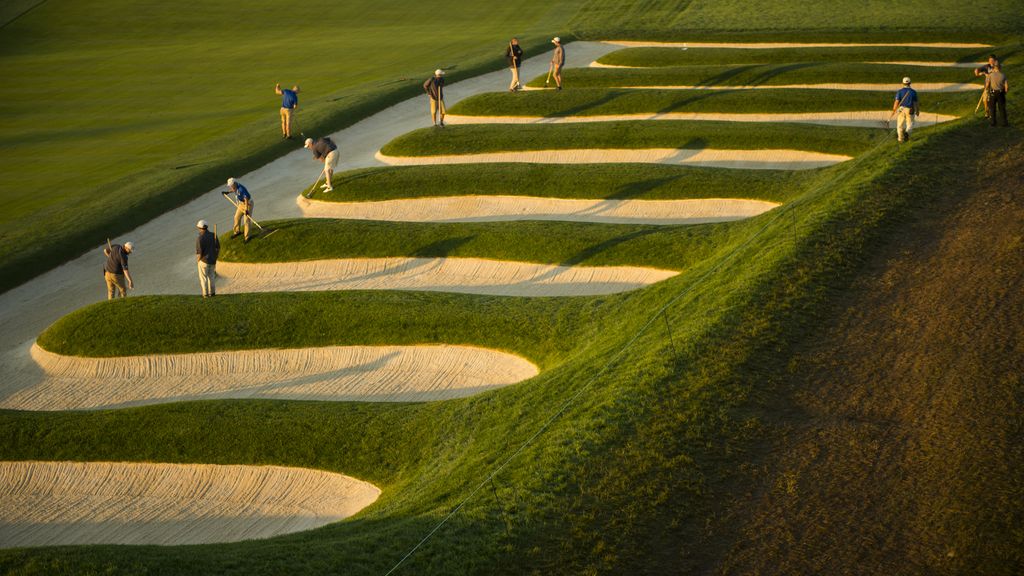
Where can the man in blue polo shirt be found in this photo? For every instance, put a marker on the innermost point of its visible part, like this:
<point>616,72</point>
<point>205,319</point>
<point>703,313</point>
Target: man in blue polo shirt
<point>289,104</point>
<point>905,107</point>
<point>243,207</point>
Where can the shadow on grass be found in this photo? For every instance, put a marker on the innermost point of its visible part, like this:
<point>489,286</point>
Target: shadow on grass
<point>640,187</point>
<point>608,244</point>
<point>442,248</point>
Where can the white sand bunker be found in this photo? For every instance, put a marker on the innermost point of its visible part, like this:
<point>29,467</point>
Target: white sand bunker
<point>65,503</point>
<point>596,64</point>
<point>863,119</point>
<point>766,159</point>
<point>462,275</point>
<point>771,45</point>
<point>886,87</point>
<point>337,373</point>
<point>506,208</point>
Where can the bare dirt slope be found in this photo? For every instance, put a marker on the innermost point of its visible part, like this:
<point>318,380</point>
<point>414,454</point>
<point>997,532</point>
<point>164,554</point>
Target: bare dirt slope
<point>899,436</point>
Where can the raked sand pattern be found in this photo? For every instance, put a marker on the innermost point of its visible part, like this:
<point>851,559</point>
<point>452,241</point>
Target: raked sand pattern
<point>67,503</point>
<point>773,45</point>
<point>890,86</point>
<point>866,119</point>
<point>335,373</point>
<point>508,208</point>
<point>596,64</point>
<point>460,275</point>
<point>763,159</point>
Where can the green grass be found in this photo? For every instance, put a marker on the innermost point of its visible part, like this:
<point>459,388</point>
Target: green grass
<point>629,478</point>
<point>670,56</point>
<point>564,243</point>
<point>608,101</point>
<point>799,21</point>
<point>760,75</point>
<point>632,135</point>
<point>119,111</point>
<point>592,181</point>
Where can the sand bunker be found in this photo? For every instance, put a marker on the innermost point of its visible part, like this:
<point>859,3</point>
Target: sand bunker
<point>596,64</point>
<point>887,87</point>
<point>362,373</point>
<point>506,208</point>
<point>770,45</point>
<point>463,275</point>
<point>63,503</point>
<point>746,159</point>
<point>866,119</point>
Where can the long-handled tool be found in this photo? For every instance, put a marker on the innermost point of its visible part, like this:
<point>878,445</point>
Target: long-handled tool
<point>551,67</point>
<point>981,100</point>
<point>313,189</point>
<point>235,204</point>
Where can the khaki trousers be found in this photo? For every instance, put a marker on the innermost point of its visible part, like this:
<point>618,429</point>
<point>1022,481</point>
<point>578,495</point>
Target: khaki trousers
<point>904,122</point>
<point>115,285</point>
<point>515,79</point>
<point>286,121</point>
<point>241,221</point>
<point>435,106</point>
<point>208,278</point>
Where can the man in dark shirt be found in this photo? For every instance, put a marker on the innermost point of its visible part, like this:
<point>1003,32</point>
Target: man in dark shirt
<point>289,104</point>
<point>514,55</point>
<point>434,87</point>
<point>115,270</point>
<point>324,149</point>
<point>207,250</point>
<point>985,70</point>
<point>997,86</point>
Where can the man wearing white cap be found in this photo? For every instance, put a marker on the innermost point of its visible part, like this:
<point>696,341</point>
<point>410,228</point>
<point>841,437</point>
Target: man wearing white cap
<point>115,270</point>
<point>207,250</point>
<point>324,149</point>
<point>557,61</point>
<point>905,107</point>
<point>434,87</point>
<point>243,207</point>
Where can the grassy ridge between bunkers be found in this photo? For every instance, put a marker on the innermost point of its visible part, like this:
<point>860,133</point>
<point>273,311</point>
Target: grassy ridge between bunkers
<point>671,56</point>
<point>633,135</point>
<point>651,405</point>
<point>609,101</point>
<point>115,114</point>
<point>589,181</point>
<point>763,75</point>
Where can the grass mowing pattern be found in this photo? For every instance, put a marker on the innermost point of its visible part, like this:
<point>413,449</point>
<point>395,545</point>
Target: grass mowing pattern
<point>608,101</point>
<point>670,56</point>
<point>562,243</point>
<point>797,21</point>
<point>476,139</point>
<point>588,181</point>
<point>762,75</point>
<point>640,462</point>
<point>148,116</point>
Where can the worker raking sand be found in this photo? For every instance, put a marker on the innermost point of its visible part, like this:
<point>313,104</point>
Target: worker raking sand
<point>326,151</point>
<point>115,270</point>
<point>243,208</point>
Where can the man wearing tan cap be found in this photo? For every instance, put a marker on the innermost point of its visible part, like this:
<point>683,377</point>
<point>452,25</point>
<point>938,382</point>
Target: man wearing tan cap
<point>905,107</point>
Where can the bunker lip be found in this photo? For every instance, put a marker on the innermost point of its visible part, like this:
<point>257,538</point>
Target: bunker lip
<point>771,45</point>
<point>763,159</point>
<point>460,275</point>
<point>410,373</point>
<point>485,208</point>
<point>931,63</point>
<point>69,503</point>
<point>920,87</point>
<point>863,119</point>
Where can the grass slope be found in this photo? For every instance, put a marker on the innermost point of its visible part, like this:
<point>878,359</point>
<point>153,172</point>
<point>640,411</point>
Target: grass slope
<point>608,101</point>
<point>632,135</point>
<point>800,21</point>
<point>611,181</point>
<point>150,108</point>
<point>564,243</point>
<point>761,75</point>
<point>668,56</point>
<point>628,478</point>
